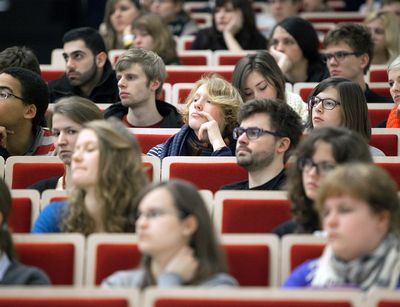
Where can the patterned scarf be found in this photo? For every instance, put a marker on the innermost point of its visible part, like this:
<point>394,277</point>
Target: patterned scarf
<point>380,269</point>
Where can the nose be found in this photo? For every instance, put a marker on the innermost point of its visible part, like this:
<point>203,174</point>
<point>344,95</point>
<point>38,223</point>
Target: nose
<point>70,63</point>
<point>61,139</point>
<point>243,139</point>
<point>280,47</point>
<point>330,220</point>
<point>198,104</point>
<point>121,82</point>
<point>318,107</point>
<point>396,86</point>
<point>76,156</point>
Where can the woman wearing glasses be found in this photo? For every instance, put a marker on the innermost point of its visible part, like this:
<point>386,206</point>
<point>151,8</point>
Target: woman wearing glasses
<point>340,102</point>
<point>210,115</point>
<point>190,255</point>
<point>294,44</point>
<point>320,152</point>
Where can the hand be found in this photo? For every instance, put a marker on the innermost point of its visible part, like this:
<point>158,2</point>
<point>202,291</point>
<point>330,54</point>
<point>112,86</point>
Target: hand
<point>3,136</point>
<point>284,63</point>
<point>236,23</point>
<point>210,131</point>
<point>184,264</point>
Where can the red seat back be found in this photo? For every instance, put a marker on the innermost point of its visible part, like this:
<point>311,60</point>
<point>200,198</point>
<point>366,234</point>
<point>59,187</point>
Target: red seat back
<point>26,174</point>
<point>388,143</point>
<point>21,215</point>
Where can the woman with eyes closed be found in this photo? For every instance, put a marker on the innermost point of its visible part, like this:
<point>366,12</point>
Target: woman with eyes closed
<point>360,213</point>
<point>188,256</point>
<point>210,114</point>
<point>107,174</point>
<point>258,76</point>
<point>69,114</point>
<point>295,46</point>
<point>320,152</point>
<point>340,102</point>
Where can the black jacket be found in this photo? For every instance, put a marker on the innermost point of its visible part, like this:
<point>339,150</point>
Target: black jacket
<point>104,92</point>
<point>19,274</point>
<point>171,117</point>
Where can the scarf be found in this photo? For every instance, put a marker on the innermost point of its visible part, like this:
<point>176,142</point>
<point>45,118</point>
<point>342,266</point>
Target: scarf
<point>380,269</point>
<point>393,121</point>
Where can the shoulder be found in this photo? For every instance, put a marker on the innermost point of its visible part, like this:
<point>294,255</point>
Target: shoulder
<point>132,278</point>
<point>19,274</point>
<point>285,228</point>
<point>46,184</point>
<point>221,280</point>
<point>49,219</point>
<point>240,185</point>
<point>300,277</point>
<point>376,152</point>
<point>156,150</point>
<point>116,110</point>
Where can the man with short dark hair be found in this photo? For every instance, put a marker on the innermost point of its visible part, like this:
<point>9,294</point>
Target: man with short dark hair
<point>348,54</point>
<point>17,56</point>
<point>268,133</point>
<point>24,99</point>
<point>88,72</point>
<point>141,76</point>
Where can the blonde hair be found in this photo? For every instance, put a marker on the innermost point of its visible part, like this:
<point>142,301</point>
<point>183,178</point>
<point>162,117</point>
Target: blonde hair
<point>120,180</point>
<point>395,64</point>
<point>221,93</point>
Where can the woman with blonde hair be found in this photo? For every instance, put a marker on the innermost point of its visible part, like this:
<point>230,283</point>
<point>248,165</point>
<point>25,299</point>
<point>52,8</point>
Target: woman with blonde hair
<point>210,115</point>
<point>151,33</point>
<point>107,174</point>
<point>385,29</point>
<point>394,83</point>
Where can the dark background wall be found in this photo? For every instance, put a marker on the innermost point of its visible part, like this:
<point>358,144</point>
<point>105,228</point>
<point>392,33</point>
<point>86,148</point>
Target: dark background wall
<point>40,24</point>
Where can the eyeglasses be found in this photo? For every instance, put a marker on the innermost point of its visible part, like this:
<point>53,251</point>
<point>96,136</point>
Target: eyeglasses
<point>339,56</point>
<point>156,213</point>
<point>252,133</point>
<point>327,103</point>
<point>306,165</point>
<point>4,95</point>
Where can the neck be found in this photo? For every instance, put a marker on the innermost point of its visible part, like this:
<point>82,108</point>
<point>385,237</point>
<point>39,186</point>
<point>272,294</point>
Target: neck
<point>361,82</point>
<point>87,88</point>
<point>94,207</point>
<point>263,175</point>
<point>298,73</point>
<point>144,114</point>
<point>160,262</point>
<point>19,142</point>
<point>380,58</point>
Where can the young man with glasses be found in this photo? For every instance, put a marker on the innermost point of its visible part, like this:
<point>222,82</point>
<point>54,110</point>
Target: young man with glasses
<point>348,54</point>
<point>268,133</point>
<point>23,102</point>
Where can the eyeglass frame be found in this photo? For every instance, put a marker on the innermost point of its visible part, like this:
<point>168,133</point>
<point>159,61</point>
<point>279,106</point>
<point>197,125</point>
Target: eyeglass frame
<point>307,164</point>
<point>322,100</point>
<point>238,131</point>
<point>156,213</point>
<point>8,94</point>
<point>338,56</point>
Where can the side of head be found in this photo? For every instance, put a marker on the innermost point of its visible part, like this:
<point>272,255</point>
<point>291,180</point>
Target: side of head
<point>17,56</point>
<point>356,36</point>
<point>283,119</point>
<point>366,182</point>
<point>78,109</point>
<point>220,93</point>
<point>91,37</point>
<point>353,106</point>
<point>34,92</point>
<point>395,65</point>
<point>263,63</point>
<point>6,244</point>
<point>245,6</point>
<point>151,64</point>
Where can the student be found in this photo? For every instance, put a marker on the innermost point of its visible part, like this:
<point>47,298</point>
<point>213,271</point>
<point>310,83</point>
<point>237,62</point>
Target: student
<point>348,54</point>
<point>12,272</point>
<point>24,98</point>
<point>88,72</point>
<point>188,256</point>
<point>106,160</point>
<point>258,76</point>
<point>269,132</point>
<point>295,46</point>
<point>340,102</point>
<point>394,83</point>
<point>69,114</point>
<point>210,115</point>
<point>360,212</point>
<point>320,152</point>
<point>118,18</point>
<point>141,75</point>
<point>234,28</point>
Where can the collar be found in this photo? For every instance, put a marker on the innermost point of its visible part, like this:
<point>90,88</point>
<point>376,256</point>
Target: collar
<point>4,265</point>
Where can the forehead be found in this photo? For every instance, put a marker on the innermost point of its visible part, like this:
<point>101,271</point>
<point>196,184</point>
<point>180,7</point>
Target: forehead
<point>338,46</point>
<point>259,120</point>
<point>394,73</point>
<point>281,32</point>
<point>202,90</point>
<point>87,136</point>
<point>157,198</point>
<point>9,82</point>
<point>77,45</point>
<point>134,68</point>
<point>60,121</point>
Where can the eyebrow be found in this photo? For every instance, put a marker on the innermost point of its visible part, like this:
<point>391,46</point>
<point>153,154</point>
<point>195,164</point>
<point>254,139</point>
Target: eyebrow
<point>6,88</point>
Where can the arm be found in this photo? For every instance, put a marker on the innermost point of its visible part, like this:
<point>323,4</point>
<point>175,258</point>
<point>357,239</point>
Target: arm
<point>284,63</point>
<point>49,219</point>
<point>231,29</point>
<point>210,131</point>
<point>298,278</point>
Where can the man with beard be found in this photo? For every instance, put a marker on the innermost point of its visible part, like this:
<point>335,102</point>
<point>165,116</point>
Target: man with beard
<point>88,72</point>
<point>268,133</point>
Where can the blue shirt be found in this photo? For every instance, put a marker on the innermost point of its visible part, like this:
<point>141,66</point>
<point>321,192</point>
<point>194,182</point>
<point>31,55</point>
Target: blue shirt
<point>49,219</point>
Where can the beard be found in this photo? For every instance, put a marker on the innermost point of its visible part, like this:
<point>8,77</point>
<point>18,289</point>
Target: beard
<point>85,77</point>
<point>255,161</point>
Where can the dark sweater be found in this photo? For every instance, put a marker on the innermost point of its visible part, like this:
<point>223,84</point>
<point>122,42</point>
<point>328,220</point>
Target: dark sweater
<point>19,274</point>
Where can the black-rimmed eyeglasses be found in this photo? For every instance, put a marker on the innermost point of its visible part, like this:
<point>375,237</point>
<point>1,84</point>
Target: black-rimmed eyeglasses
<point>327,103</point>
<point>4,95</point>
<point>306,165</point>
<point>252,133</point>
<point>338,56</point>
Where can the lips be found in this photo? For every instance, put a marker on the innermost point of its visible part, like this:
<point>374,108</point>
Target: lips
<point>335,72</point>
<point>242,149</point>
<point>317,119</point>
<point>123,95</point>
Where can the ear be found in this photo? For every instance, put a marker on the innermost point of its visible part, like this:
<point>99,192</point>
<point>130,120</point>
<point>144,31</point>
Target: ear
<point>364,60</point>
<point>101,59</point>
<point>30,111</point>
<point>283,145</point>
<point>154,85</point>
<point>189,226</point>
<point>384,220</point>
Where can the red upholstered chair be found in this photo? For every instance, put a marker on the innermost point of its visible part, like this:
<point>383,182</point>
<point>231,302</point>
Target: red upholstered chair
<point>102,252</point>
<point>67,296</point>
<point>378,73</point>
<point>209,173</point>
<point>25,209</point>
<point>185,42</point>
<point>180,91</point>
<point>253,259</point>
<point>250,211</point>
<point>304,89</point>
<point>203,20</point>
<point>195,57</point>
<point>51,72</point>
<point>381,88</point>
<point>226,57</point>
<point>387,140</point>
<point>378,112</point>
<point>182,74</point>
<point>392,165</point>
<point>23,171</point>
<point>334,17</point>
<point>254,297</point>
<point>50,196</point>
<point>296,249</point>
<point>150,137</point>
<point>152,167</point>
<point>383,298</point>
<point>61,256</point>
